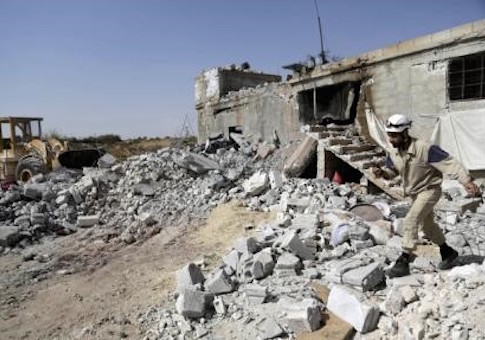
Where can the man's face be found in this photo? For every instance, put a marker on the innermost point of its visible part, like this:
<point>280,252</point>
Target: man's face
<point>397,139</point>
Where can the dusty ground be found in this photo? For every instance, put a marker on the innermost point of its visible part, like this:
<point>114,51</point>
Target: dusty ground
<point>111,285</point>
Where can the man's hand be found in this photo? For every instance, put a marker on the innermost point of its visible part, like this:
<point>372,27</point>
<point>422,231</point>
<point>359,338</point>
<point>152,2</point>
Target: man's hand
<point>377,171</point>
<point>472,189</point>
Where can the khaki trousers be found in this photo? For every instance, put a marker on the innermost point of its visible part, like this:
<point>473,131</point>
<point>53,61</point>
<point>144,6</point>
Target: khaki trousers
<point>421,216</point>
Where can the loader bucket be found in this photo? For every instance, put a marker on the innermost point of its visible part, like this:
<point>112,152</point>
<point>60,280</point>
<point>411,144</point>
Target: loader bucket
<point>78,159</point>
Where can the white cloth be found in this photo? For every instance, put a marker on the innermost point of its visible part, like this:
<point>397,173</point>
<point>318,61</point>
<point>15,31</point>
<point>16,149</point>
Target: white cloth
<point>462,134</point>
<point>377,128</point>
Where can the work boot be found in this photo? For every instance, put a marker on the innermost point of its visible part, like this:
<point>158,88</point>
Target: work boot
<point>401,267</point>
<point>448,256</point>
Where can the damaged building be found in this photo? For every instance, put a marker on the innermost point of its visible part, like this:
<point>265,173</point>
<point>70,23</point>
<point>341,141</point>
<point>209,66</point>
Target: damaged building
<point>438,80</point>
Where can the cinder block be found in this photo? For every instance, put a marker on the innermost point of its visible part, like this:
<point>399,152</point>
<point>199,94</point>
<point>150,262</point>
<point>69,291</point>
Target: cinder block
<point>255,294</point>
<point>219,283</point>
<point>305,316</point>
<point>188,276</point>
<point>292,242</point>
<point>352,307</point>
<point>192,303</point>
<point>366,277</point>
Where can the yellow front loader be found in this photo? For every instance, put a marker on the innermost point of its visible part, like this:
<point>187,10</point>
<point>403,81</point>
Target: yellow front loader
<point>23,153</point>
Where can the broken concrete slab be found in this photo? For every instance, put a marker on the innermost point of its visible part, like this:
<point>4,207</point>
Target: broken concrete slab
<point>189,276</point>
<point>196,163</point>
<point>366,277</point>
<point>301,157</point>
<point>256,184</point>
<point>264,150</point>
<point>352,307</point>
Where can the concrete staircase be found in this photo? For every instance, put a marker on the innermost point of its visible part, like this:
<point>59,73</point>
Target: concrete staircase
<point>343,143</point>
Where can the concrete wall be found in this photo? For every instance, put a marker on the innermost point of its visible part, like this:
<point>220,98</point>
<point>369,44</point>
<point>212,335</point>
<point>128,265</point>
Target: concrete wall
<point>417,86</point>
<point>213,84</point>
<point>260,112</point>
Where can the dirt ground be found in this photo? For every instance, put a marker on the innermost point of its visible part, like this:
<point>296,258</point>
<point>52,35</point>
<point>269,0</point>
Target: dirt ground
<point>111,286</point>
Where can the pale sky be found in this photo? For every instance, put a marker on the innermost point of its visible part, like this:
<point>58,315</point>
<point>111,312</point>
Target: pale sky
<point>127,67</point>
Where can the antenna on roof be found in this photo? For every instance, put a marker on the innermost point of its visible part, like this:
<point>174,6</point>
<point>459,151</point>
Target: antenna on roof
<point>322,51</point>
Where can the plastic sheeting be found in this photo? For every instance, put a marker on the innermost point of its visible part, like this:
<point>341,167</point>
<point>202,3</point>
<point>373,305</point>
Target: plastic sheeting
<point>377,130</point>
<point>462,134</point>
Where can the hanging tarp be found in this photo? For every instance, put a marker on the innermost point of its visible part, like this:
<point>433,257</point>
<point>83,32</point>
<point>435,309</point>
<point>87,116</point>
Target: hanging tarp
<point>462,134</point>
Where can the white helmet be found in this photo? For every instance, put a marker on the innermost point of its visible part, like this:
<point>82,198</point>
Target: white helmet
<point>398,123</point>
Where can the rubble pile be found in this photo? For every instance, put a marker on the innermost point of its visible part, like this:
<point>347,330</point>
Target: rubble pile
<point>319,264</point>
<point>266,285</point>
<point>130,200</point>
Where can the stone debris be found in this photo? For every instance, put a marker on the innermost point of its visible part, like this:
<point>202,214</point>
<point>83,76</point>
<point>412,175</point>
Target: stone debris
<point>351,307</point>
<point>188,277</point>
<point>314,238</point>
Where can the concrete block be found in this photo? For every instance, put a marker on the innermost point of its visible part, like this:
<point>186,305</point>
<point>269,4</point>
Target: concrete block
<point>255,294</point>
<point>246,245</point>
<point>188,276</point>
<point>301,157</point>
<point>231,259</point>
<point>275,179</point>
<point>292,242</point>
<point>34,192</point>
<point>9,236</point>
<point>366,277</point>
<point>256,184</point>
<point>219,283</point>
<point>380,231</point>
<point>304,316</point>
<point>305,222</point>
<point>87,221</point>
<point>351,306</point>
<point>219,305</point>
<point>263,264</point>
<point>106,161</point>
<point>288,261</point>
<point>191,303</point>
<point>268,329</point>
<point>196,163</point>
<point>459,207</point>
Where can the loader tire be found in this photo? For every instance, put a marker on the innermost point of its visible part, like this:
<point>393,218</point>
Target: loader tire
<point>28,167</point>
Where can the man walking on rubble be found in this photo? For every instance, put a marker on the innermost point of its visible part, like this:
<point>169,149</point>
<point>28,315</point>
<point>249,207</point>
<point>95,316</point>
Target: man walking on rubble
<point>421,166</point>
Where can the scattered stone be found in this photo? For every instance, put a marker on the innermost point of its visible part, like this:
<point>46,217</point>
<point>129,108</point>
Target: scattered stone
<point>87,221</point>
<point>192,303</point>
<point>304,316</point>
<point>220,283</point>
<point>189,276</point>
<point>255,294</point>
<point>352,307</point>
<point>366,277</point>
<point>257,184</point>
